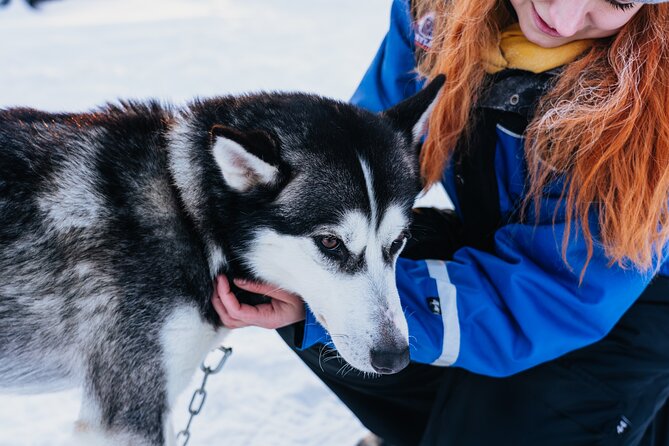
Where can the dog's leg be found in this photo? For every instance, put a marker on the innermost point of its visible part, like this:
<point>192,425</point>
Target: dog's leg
<point>91,429</point>
<point>186,339</point>
<point>133,381</point>
<point>88,431</point>
<point>125,389</point>
<point>124,400</point>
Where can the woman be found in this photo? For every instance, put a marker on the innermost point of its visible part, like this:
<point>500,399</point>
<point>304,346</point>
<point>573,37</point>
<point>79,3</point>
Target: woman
<point>551,298</point>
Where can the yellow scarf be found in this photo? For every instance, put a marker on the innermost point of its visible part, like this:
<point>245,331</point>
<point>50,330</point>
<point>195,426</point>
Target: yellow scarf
<point>515,51</point>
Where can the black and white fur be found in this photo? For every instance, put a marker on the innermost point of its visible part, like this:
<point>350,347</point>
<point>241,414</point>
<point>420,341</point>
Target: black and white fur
<point>114,223</point>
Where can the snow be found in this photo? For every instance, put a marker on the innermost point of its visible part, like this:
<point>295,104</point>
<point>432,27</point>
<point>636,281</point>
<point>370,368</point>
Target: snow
<point>76,54</point>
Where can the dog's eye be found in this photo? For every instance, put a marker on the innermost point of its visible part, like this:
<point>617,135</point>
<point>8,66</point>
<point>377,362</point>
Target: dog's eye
<point>332,247</point>
<point>329,242</point>
<point>404,235</point>
<point>399,241</point>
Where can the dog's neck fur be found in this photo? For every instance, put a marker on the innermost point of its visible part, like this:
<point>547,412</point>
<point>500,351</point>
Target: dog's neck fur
<point>188,175</point>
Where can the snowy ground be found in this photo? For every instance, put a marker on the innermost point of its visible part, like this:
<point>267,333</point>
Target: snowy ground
<point>76,54</point>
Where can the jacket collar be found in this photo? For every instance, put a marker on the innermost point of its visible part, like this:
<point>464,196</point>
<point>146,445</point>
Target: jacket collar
<point>516,91</point>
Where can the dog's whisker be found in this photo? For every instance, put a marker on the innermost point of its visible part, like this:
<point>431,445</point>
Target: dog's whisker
<point>339,336</point>
<point>320,357</point>
<point>340,369</point>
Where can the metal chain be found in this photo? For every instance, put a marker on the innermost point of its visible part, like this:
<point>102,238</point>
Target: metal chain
<point>200,395</point>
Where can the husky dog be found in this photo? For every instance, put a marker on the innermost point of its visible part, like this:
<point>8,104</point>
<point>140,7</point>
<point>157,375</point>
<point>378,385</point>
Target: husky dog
<point>114,223</point>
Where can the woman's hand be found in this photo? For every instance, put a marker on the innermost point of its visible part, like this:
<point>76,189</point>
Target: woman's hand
<point>283,309</point>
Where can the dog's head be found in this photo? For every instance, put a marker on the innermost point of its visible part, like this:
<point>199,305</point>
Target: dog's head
<point>322,193</point>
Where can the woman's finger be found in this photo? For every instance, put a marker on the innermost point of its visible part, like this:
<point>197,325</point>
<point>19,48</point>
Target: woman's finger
<point>227,320</point>
<point>222,285</point>
<point>269,290</point>
<point>243,312</point>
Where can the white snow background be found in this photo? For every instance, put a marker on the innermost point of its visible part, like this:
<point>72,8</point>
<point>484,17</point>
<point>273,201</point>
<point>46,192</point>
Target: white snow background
<point>72,55</point>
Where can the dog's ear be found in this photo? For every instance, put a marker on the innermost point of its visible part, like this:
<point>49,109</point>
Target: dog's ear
<point>246,159</point>
<point>411,115</point>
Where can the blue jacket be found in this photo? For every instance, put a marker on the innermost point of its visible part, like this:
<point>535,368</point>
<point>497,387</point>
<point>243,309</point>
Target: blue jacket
<point>516,305</point>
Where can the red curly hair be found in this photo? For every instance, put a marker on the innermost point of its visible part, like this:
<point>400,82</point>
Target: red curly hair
<point>604,127</point>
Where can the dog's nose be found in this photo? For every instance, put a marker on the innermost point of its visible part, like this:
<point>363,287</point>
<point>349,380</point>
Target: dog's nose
<point>389,361</point>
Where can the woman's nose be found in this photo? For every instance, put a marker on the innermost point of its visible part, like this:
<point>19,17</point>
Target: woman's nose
<point>568,17</point>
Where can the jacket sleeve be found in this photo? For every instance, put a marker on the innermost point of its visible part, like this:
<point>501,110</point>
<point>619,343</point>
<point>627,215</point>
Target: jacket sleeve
<point>503,312</point>
<point>314,333</point>
<point>391,76</point>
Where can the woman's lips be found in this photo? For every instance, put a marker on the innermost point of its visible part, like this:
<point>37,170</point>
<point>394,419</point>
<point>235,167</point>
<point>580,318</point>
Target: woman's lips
<point>543,26</point>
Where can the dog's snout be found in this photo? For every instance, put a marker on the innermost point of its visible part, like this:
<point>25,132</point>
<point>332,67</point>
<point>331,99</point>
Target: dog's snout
<point>388,361</point>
